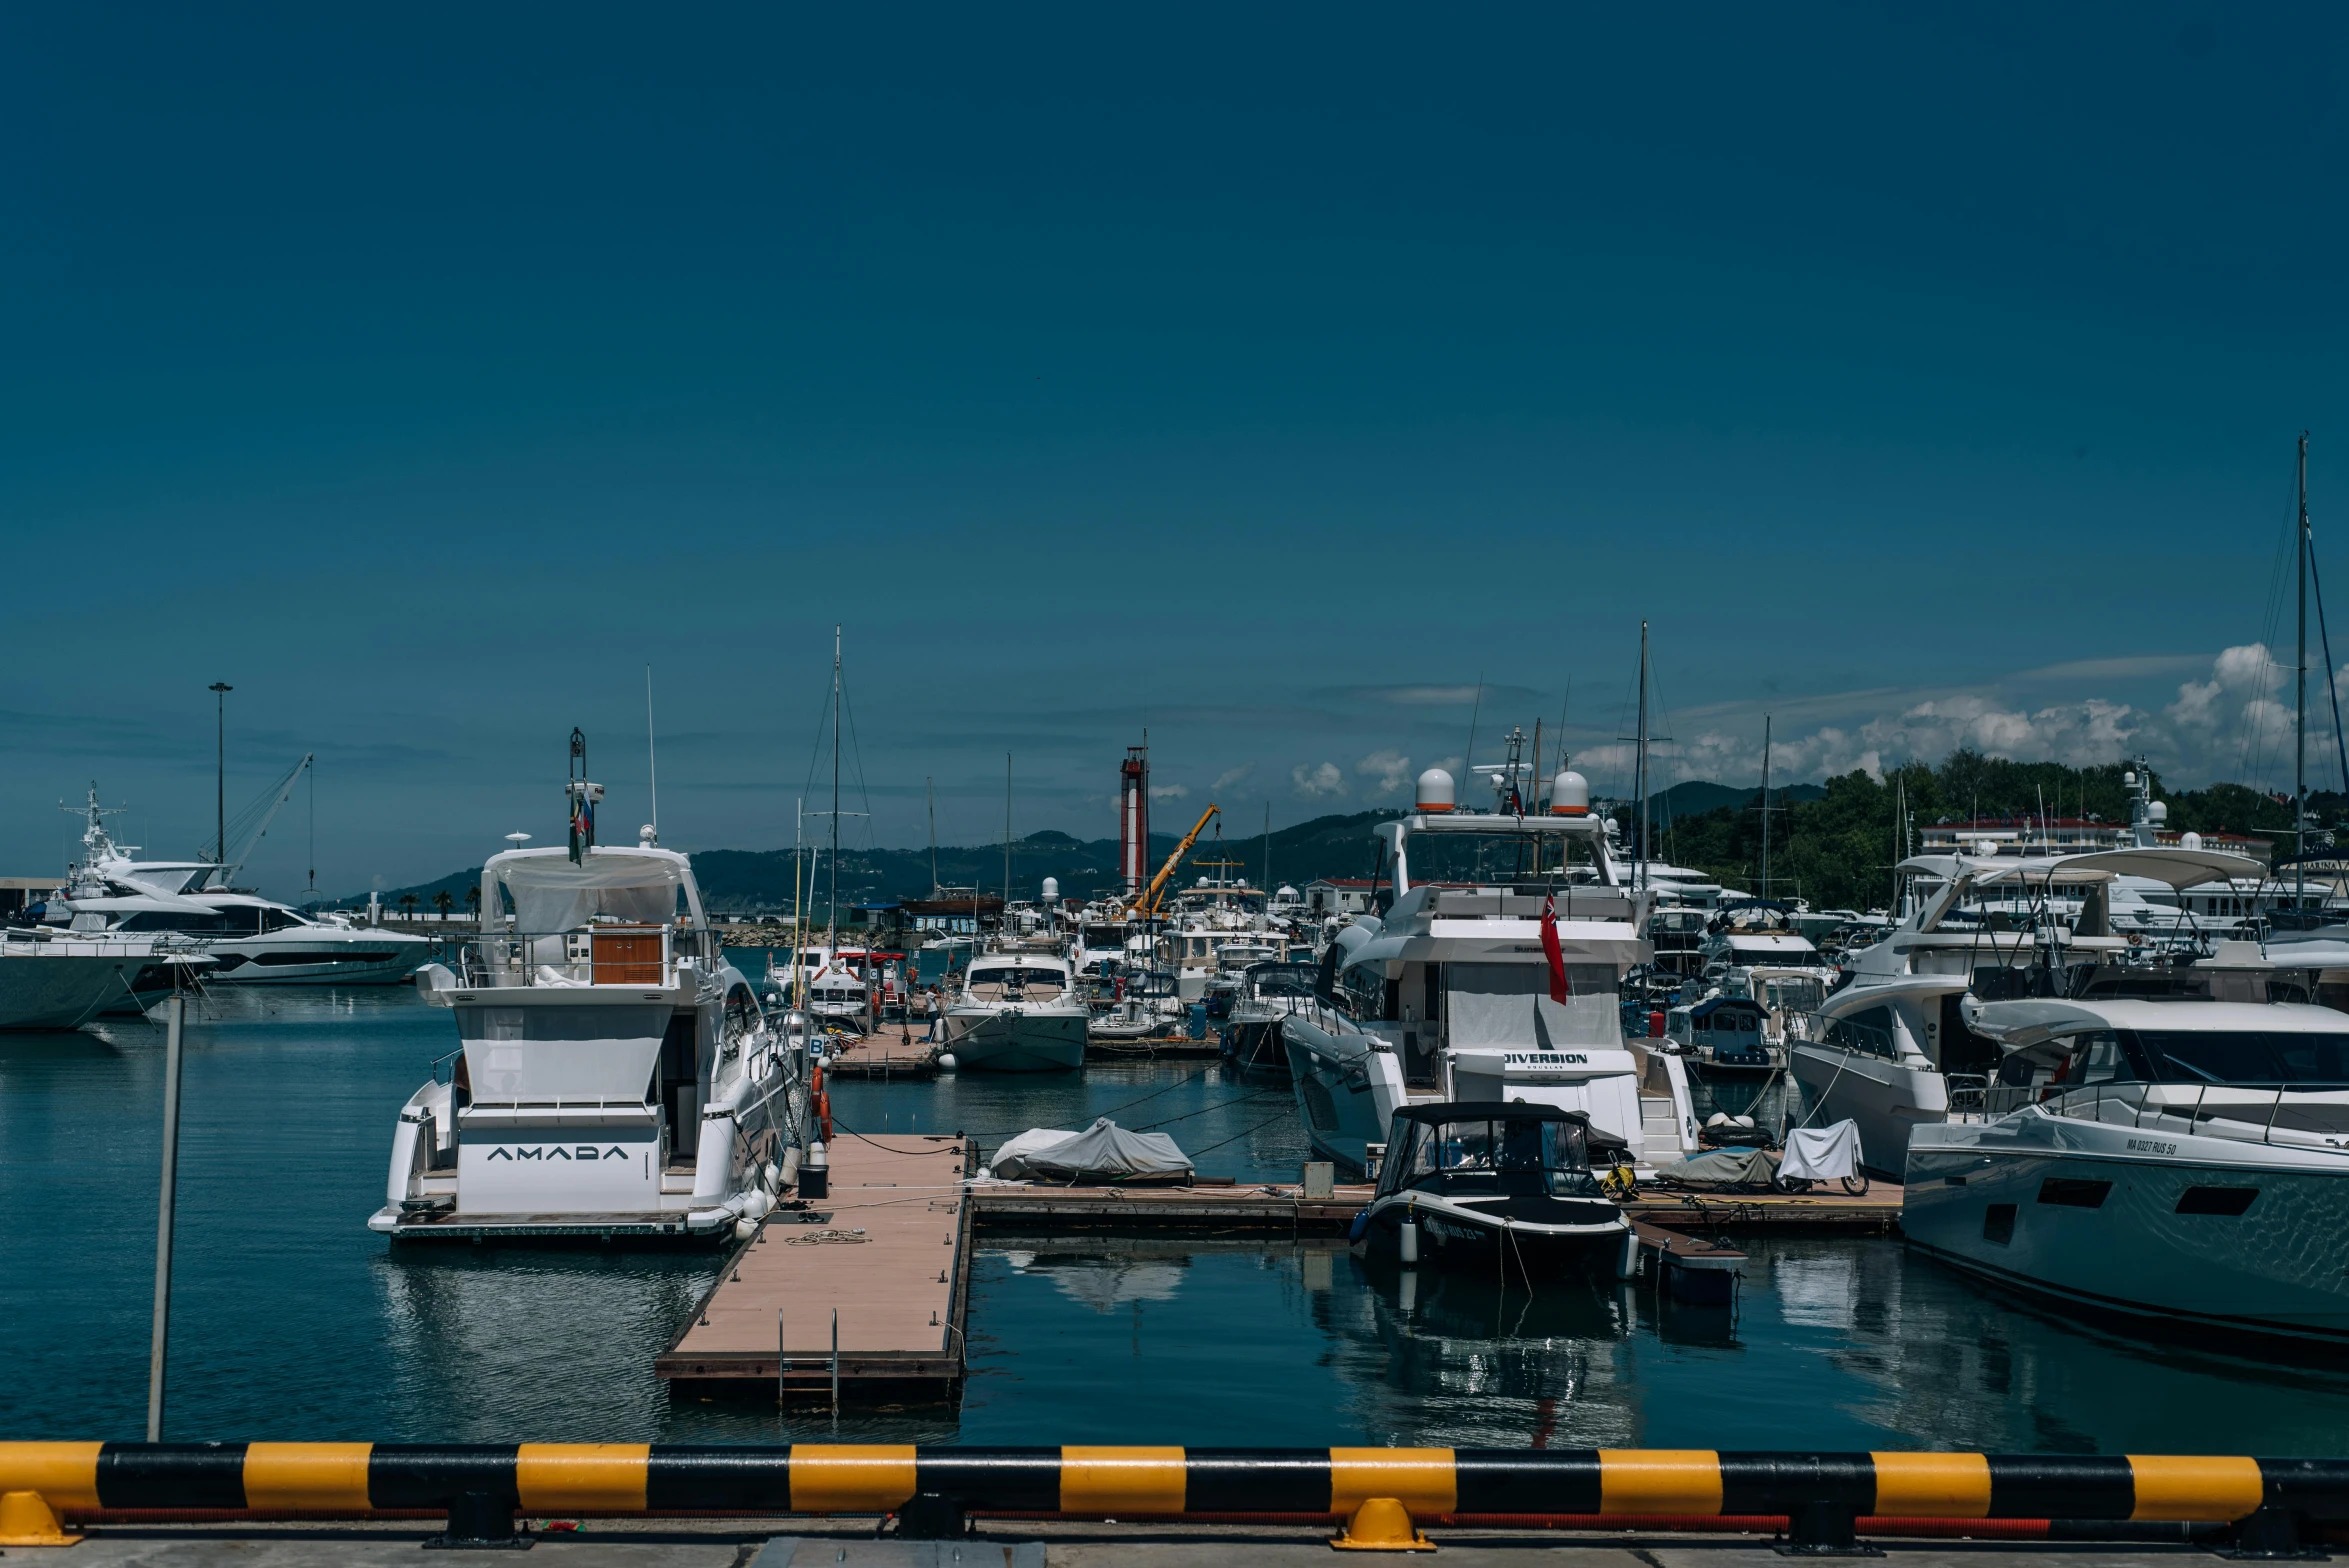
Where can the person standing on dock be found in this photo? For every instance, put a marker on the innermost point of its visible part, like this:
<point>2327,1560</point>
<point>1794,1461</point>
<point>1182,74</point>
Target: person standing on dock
<point>935,1014</point>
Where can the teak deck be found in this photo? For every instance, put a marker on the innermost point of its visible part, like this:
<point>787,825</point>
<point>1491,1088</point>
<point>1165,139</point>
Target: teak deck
<point>901,1291</point>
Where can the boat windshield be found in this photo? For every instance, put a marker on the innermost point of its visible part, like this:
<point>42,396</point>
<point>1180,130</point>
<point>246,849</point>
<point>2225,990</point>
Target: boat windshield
<point>1510,1156</point>
<point>2257,1056</point>
<point>1281,979</point>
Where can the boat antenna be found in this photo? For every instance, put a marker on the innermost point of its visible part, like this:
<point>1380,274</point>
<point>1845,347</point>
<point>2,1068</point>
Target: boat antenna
<point>1007,837</point>
<point>1468,762</point>
<point>220,691</point>
<point>930,789</point>
<point>832,909</point>
<point>2300,699</point>
<point>1765,806</point>
<point>1639,868</point>
<point>652,757</point>
<point>314,827</point>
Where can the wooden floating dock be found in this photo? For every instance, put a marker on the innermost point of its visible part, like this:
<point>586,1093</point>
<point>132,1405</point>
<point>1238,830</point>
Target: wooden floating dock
<point>1273,1208</point>
<point>882,1055</point>
<point>1154,1048</point>
<point>888,1249</point>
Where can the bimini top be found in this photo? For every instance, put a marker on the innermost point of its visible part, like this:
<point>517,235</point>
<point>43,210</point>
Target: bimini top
<point>2179,868</point>
<point>551,894</point>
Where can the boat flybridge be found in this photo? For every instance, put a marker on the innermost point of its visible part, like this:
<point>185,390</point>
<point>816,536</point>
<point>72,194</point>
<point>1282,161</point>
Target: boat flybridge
<point>251,940</point>
<point>1889,1049</point>
<point>1449,995</point>
<point>615,1078</point>
<point>2177,1159</point>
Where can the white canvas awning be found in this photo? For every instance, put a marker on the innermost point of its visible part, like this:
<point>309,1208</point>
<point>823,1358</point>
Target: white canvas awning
<point>551,894</point>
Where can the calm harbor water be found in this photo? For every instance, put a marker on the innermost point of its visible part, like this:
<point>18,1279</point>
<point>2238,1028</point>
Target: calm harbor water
<point>292,1321</point>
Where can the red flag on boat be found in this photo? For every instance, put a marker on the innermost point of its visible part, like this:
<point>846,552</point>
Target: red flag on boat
<point>1559,989</point>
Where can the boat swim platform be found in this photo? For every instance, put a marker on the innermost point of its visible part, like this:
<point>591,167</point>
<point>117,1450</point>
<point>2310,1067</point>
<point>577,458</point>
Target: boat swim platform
<point>1153,1048</point>
<point>888,1249</point>
<point>1034,1209</point>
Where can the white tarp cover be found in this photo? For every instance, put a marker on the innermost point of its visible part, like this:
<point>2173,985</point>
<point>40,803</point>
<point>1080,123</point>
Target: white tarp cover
<point>550,894</point>
<point>1103,1150</point>
<point>1509,1005</point>
<point>1822,1153</point>
<point>1722,1168</point>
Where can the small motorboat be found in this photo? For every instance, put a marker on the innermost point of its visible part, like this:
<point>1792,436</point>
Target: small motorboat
<point>1500,1186</point>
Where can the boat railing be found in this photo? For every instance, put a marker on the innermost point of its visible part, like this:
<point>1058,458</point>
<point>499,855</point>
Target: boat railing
<point>2288,1114</point>
<point>591,956</point>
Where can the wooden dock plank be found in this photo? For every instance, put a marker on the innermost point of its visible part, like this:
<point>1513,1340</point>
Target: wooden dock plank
<point>899,1286</point>
<point>882,1055</point>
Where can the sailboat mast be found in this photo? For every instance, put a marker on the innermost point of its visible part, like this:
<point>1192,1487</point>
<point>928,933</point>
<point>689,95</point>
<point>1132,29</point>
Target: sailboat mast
<point>832,912</point>
<point>2300,693</point>
<point>930,788</point>
<point>1007,836</point>
<point>1639,873</point>
<point>1765,805</point>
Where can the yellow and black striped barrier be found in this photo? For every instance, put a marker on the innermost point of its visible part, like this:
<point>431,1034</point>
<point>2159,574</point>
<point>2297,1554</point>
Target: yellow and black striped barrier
<point>493,1482</point>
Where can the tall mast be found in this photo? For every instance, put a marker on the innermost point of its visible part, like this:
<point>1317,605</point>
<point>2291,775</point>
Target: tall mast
<point>832,912</point>
<point>1765,805</point>
<point>1639,873</point>
<point>930,788</point>
<point>220,691</point>
<point>1007,836</point>
<point>2300,692</point>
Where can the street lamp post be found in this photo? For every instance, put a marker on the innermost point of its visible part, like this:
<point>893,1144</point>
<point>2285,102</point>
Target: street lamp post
<point>220,691</point>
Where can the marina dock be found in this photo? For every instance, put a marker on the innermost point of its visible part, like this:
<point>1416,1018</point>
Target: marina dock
<point>1272,1209</point>
<point>884,1055</point>
<point>886,1255</point>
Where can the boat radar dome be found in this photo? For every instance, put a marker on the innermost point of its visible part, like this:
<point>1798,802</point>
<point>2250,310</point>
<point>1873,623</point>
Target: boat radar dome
<point>1570,795</point>
<point>1435,790</point>
<point>2157,812</point>
<point>647,836</point>
<point>1051,890</point>
<point>2190,841</point>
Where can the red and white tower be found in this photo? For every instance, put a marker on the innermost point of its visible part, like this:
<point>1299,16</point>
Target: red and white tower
<point>1133,819</point>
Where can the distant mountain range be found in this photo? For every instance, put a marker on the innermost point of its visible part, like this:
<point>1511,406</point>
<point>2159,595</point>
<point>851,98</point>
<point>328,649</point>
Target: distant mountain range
<point>760,881</point>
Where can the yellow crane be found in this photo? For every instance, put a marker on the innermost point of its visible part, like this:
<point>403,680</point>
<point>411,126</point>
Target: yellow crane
<point>1147,905</point>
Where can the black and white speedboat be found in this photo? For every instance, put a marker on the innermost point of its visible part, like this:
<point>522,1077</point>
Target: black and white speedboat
<point>1502,1186</point>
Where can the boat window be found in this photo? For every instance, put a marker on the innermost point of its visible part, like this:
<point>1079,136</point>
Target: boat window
<point>2072,1192</point>
<point>2230,1202</point>
<point>1362,989</point>
<point>1868,1031</point>
<point>1282,979</point>
<point>175,920</point>
<point>2263,1056</point>
<point>2103,1060</point>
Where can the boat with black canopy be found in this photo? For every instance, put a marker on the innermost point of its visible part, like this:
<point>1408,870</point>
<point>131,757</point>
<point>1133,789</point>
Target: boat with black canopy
<point>1497,1185</point>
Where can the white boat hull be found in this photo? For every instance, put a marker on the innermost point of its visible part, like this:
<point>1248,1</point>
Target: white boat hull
<point>1345,1093</point>
<point>1884,1098</point>
<point>55,991</point>
<point>1017,1039</point>
<point>363,958</point>
<point>2108,1236</point>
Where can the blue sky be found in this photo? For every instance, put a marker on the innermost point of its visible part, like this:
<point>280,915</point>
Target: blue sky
<point>1922,375</point>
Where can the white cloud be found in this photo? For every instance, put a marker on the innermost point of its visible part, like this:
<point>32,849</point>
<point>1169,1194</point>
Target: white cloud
<point>1390,769</point>
<point>1170,791</point>
<point>1230,778</point>
<point>1318,783</point>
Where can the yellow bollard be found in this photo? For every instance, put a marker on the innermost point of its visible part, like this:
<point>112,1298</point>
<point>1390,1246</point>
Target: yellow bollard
<point>26,1520</point>
<point>1381,1524</point>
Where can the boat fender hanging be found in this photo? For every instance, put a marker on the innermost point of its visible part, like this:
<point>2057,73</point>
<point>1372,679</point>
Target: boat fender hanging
<point>1360,1227</point>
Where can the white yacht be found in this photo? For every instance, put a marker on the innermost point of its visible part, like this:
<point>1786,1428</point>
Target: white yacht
<point>1883,1048</point>
<point>63,980</point>
<point>1019,1012</point>
<point>2185,1160</point>
<point>251,940</point>
<point>838,999</point>
<point>615,1078</point>
<point>1448,995</point>
<point>1754,949</point>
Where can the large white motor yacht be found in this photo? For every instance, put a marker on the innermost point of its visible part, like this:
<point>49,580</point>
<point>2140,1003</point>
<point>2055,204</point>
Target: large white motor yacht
<point>1447,996</point>
<point>251,940</point>
<point>615,1077</point>
<point>1019,1012</point>
<point>61,980</point>
<point>1883,1048</point>
<point>2186,1160</point>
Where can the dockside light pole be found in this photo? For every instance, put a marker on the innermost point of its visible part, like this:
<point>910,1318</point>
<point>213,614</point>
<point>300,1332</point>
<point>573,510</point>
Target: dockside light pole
<point>220,691</point>
<point>158,1354</point>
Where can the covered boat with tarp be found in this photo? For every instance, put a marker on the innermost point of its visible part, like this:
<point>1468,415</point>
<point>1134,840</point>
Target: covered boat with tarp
<point>1103,1152</point>
<point>1495,1185</point>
